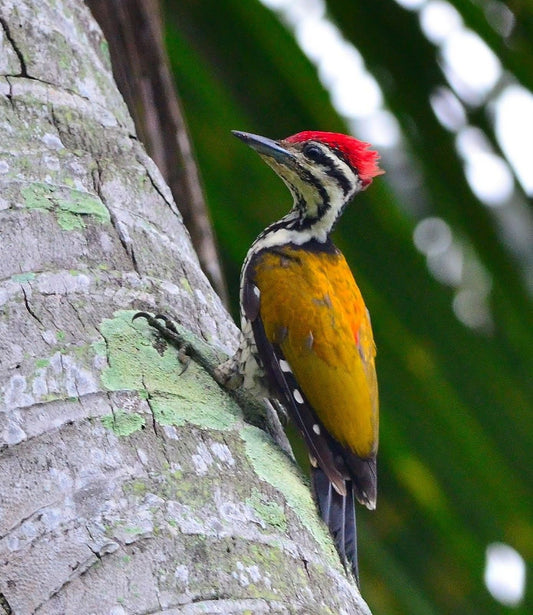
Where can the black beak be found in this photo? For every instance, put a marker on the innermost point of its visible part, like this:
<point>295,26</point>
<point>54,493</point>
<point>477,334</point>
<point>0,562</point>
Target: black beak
<point>265,146</point>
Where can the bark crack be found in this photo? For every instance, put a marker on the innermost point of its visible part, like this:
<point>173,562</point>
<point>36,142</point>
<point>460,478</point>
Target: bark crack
<point>23,74</point>
<point>171,204</point>
<point>18,52</point>
<point>20,522</point>
<point>94,551</point>
<point>305,562</point>
<point>74,308</point>
<point>208,604</point>
<point>4,605</point>
<point>126,244</point>
<point>106,350</point>
<point>10,98</point>
<point>28,307</point>
<point>149,402</point>
<point>77,571</point>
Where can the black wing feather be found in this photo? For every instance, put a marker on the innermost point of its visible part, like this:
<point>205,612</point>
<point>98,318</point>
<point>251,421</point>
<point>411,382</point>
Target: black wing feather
<point>300,413</point>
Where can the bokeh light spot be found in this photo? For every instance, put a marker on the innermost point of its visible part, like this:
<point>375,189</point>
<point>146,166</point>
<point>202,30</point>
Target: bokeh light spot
<point>505,574</point>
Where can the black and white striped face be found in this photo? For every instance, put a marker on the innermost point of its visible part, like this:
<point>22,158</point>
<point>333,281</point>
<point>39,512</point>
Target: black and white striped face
<point>321,183</point>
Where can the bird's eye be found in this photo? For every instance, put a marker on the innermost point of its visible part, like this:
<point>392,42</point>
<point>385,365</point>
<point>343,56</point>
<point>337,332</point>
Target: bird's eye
<point>313,152</point>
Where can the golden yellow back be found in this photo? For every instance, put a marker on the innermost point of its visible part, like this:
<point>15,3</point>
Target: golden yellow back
<point>312,308</point>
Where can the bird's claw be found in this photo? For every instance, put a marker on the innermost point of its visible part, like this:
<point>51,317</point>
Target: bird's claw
<point>184,358</point>
<point>168,331</point>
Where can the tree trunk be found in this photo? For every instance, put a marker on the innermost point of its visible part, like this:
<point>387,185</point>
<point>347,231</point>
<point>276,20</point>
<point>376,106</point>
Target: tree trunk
<point>134,32</point>
<point>125,488</point>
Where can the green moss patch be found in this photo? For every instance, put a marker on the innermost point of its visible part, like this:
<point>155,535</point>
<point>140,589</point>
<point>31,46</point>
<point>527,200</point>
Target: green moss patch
<point>123,423</point>
<point>68,202</point>
<point>138,361</point>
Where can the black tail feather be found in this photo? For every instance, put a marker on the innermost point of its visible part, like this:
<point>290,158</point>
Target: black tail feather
<point>338,512</point>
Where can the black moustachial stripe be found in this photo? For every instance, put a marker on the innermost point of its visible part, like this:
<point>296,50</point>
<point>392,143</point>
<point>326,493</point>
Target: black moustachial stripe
<point>309,178</point>
<point>331,168</point>
<point>344,182</point>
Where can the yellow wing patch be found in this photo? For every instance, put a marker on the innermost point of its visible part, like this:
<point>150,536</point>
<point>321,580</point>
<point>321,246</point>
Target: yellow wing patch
<point>314,300</point>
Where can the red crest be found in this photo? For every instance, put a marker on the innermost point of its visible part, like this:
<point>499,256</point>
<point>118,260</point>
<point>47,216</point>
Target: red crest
<point>357,153</point>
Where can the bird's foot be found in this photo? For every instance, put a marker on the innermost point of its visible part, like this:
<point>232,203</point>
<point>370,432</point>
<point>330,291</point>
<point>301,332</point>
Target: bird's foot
<point>224,371</point>
<point>189,347</point>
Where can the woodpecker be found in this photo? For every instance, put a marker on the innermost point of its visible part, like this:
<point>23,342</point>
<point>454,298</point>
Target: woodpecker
<point>306,333</point>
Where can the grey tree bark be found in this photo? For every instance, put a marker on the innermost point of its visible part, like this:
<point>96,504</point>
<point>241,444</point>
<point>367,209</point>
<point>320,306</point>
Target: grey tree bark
<point>141,68</point>
<point>124,488</point>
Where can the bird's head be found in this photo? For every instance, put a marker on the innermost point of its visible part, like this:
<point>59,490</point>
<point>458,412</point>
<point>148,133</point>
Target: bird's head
<point>323,171</point>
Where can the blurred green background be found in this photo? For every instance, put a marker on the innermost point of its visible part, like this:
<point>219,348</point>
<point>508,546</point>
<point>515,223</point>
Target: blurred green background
<point>443,271</point>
